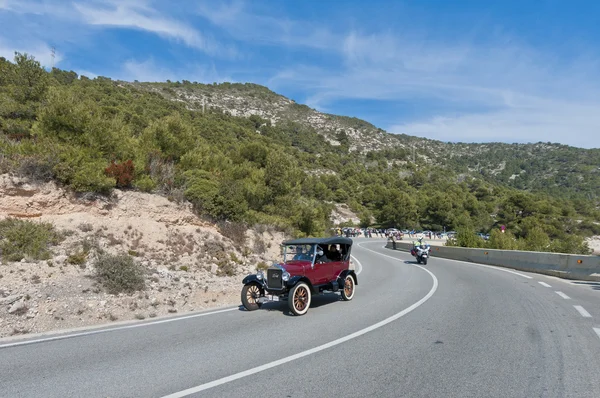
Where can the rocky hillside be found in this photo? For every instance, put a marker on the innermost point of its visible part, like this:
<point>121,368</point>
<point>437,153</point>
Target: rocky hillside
<point>187,264</point>
<point>248,99</point>
<point>553,168</point>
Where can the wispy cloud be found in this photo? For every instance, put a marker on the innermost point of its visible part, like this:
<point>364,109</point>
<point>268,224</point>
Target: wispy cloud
<point>139,15</point>
<point>243,24</point>
<point>493,92</point>
<point>572,124</point>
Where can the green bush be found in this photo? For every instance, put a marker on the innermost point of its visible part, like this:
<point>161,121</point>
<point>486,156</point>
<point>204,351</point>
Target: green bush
<point>465,238</point>
<point>83,170</point>
<point>502,241</point>
<point>21,238</point>
<point>119,274</point>
<point>145,183</point>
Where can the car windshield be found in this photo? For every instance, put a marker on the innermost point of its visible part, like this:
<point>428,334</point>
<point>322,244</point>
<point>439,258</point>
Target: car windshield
<point>298,253</point>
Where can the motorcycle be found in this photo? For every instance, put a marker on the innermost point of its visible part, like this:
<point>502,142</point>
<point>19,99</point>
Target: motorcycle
<point>421,253</point>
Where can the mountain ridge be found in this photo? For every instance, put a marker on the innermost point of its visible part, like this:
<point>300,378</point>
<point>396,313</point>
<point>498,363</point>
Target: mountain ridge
<point>499,162</point>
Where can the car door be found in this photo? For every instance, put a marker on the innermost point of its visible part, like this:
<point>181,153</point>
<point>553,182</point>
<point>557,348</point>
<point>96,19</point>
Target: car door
<point>320,273</point>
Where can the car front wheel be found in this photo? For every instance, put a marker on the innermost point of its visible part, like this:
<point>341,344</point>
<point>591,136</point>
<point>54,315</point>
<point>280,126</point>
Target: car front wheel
<point>299,299</point>
<point>348,290</point>
<point>250,294</point>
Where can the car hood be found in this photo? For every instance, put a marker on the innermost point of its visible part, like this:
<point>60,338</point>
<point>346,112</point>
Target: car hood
<point>296,267</point>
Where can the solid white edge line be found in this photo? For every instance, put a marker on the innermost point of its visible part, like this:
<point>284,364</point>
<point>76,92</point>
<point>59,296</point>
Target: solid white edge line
<point>322,347</point>
<point>582,311</point>
<point>561,294</point>
<point>597,330</point>
<point>91,332</point>
<point>359,264</point>
<point>497,268</point>
<point>544,284</point>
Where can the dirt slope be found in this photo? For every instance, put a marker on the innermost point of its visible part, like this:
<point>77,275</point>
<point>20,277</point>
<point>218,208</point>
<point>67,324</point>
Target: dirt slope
<point>190,265</point>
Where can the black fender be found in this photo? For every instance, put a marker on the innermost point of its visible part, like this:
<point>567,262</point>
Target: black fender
<point>345,273</point>
<point>294,280</point>
<point>252,278</point>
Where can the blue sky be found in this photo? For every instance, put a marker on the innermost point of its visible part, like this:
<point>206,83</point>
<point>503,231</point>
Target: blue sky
<point>471,71</point>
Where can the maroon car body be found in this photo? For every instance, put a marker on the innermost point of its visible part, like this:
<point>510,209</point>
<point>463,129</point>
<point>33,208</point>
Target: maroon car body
<point>302,274</point>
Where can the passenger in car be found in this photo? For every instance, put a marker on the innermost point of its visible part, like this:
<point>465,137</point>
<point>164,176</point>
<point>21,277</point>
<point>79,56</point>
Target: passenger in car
<point>321,257</point>
<point>335,253</point>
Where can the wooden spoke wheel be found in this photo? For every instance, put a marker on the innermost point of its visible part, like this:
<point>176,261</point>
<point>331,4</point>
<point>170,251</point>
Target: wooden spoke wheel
<point>299,299</point>
<point>348,290</point>
<point>250,295</point>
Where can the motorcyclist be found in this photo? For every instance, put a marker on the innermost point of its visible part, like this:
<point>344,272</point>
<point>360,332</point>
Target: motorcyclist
<point>419,245</point>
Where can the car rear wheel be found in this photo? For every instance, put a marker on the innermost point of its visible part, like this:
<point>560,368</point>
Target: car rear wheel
<point>250,294</point>
<point>299,299</point>
<point>348,290</point>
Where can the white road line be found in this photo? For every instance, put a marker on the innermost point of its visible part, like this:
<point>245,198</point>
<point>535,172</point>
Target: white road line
<point>303,354</point>
<point>137,325</point>
<point>561,294</point>
<point>359,265</point>
<point>544,284</point>
<point>597,330</point>
<point>582,311</point>
<point>497,268</point>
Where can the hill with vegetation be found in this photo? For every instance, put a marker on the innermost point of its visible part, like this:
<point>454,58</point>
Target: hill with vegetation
<point>560,170</point>
<point>241,153</point>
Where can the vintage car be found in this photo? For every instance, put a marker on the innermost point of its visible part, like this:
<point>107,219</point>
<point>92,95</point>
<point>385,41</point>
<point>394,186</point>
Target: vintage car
<point>310,266</point>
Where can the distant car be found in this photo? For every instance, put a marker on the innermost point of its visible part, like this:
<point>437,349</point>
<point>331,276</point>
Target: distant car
<point>302,274</point>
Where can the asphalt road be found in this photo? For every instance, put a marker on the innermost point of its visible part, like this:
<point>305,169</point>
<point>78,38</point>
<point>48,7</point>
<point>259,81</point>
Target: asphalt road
<point>449,329</point>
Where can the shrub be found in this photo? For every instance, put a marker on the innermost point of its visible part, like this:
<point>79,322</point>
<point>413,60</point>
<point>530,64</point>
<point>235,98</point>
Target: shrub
<point>119,273</point>
<point>183,268</point>
<point>235,231</point>
<point>77,258</point>
<point>502,241</point>
<point>21,238</point>
<point>121,172</point>
<point>145,183</point>
<point>259,245</point>
<point>82,170</point>
<point>465,238</point>
<point>37,169</point>
<point>234,258</point>
<point>262,266</point>
<point>86,227</point>
<point>226,268</point>
<point>571,244</point>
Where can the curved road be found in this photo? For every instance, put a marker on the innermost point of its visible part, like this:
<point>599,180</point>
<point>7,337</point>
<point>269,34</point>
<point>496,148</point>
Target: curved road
<point>449,329</point>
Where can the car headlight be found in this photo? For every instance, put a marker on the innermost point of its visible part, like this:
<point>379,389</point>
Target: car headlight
<point>285,276</point>
<point>260,275</point>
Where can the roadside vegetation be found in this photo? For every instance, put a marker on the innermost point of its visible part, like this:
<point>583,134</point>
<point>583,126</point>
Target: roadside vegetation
<point>97,135</point>
<point>22,239</point>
